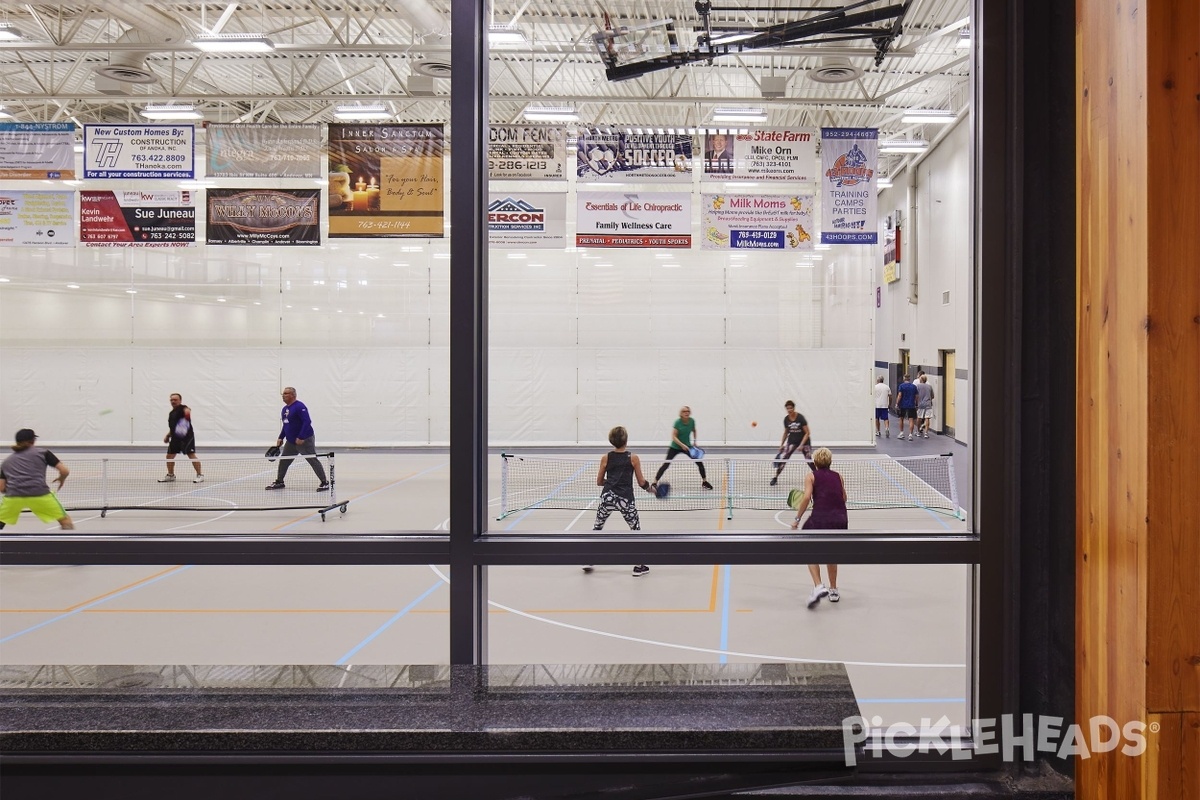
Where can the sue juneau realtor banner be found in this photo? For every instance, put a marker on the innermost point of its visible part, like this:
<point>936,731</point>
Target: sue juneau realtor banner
<point>849,163</point>
<point>527,152</point>
<point>286,150</point>
<point>264,216</point>
<point>634,158</point>
<point>139,151</point>
<point>37,151</point>
<point>154,218</point>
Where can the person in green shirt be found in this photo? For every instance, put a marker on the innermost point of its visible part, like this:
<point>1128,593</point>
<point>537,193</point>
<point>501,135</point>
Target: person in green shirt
<point>683,438</point>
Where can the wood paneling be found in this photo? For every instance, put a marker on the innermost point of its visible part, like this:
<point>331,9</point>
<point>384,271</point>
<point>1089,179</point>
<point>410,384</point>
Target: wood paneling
<point>1138,376</point>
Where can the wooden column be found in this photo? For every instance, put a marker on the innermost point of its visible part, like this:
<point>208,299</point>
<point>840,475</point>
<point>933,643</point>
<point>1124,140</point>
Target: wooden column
<point>1138,375</point>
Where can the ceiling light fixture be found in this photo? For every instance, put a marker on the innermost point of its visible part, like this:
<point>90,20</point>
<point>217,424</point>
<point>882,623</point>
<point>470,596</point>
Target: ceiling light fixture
<point>884,183</point>
<point>363,112</point>
<point>8,33</point>
<point>903,146</point>
<point>551,114</point>
<point>506,36</point>
<point>739,115</point>
<point>170,111</point>
<point>927,116</point>
<point>964,37</point>
<point>234,43</point>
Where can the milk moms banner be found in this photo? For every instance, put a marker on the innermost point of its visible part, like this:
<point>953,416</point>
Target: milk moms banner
<point>849,162</point>
<point>757,222</point>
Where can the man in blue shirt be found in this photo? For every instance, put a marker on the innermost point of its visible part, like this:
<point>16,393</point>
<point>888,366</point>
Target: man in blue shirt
<point>297,438</point>
<point>906,406</point>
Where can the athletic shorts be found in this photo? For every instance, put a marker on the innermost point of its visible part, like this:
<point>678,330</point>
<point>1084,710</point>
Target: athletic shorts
<point>46,507</point>
<point>186,445</point>
<point>924,413</point>
<point>907,413</point>
<point>881,414</point>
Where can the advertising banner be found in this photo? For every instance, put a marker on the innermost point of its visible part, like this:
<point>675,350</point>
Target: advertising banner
<point>139,151</point>
<point>757,222</point>
<point>617,219</point>
<point>42,219</point>
<point>783,154</point>
<point>386,180</point>
<point>264,216</point>
<point>634,158</point>
<point>527,152</point>
<point>37,151</point>
<point>849,161</point>
<point>527,220</point>
<point>264,151</point>
<point>137,219</point>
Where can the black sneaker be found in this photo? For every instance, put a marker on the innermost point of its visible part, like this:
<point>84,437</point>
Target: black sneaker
<point>775,480</point>
<point>706,485</point>
<point>324,487</point>
<point>276,485</point>
<point>640,570</point>
<point>587,568</point>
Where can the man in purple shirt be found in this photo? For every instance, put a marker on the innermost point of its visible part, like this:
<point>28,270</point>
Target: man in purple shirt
<point>297,438</point>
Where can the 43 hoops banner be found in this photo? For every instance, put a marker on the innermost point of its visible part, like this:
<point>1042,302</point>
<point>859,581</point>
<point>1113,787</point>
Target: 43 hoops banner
<point>849,162</point>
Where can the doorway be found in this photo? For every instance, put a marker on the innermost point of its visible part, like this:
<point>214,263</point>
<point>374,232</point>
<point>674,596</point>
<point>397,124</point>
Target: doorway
<point>948,385</point>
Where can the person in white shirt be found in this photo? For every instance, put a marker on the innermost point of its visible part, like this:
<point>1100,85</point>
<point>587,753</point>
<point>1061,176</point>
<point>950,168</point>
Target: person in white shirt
<point>883,400</point>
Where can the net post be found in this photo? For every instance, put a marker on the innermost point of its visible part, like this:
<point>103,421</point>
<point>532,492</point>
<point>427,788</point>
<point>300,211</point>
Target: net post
<point>503,486</point>
<point>730,468</point>
<point>332,482</point>
<point>958,514</point>
<point>104,485</point>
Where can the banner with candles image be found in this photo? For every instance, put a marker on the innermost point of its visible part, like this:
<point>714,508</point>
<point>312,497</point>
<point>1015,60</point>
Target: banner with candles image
<point>386,180</point>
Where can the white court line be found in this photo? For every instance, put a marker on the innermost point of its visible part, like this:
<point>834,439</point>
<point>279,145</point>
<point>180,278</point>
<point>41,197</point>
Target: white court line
<point>694,649</point>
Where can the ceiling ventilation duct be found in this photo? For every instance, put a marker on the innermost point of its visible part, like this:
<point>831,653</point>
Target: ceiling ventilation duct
<point>424,18</point>
<point>835,70</point>
<point>149,29</point>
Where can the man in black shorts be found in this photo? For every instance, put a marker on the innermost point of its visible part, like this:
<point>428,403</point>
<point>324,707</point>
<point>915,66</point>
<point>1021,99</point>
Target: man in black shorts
<point>795,435</point>
<point>180,438</point>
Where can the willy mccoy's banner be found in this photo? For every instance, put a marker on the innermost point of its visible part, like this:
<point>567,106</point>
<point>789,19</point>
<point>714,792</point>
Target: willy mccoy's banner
<point>42,219</point>
<point>784,154</point>
<point>757,222</point>
<point>527,220</point>
<point>527,152</point>
<point>264,216</point>
<point>153,218</point>
<point>617,219</point>
<point>37,151</point>
<point>634,158</point>
<point>849,161</point>
<point>264,151</point>
<point>139,151</point>
<point>385,180</point>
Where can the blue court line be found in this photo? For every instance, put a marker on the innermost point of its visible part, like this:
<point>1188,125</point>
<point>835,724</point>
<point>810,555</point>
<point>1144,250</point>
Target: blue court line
<point>101,601</point>
<point>727,575</point>
<point>912,700</point>
<point>557,489</point>
<point>908,494</point>
<point>364,496</point>
<point>344,659</point>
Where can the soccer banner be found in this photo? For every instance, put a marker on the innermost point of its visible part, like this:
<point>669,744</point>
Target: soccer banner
<point>264,216</point>
<point>386,180</point>
<point>527,220</point>
<point>757,222</point>
<point>617,219</point>
<point>137,219</point>
<point>41,219</point>
<point>849,161</point>
<point>264,151</point>
<point>37,151</point>
<point>139,151</point>
<point>634,158</point>
<point>785,154</point>
<point>527,152</point>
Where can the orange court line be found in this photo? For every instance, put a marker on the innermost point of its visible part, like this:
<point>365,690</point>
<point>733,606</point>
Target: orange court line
<point>712,596</point>
<point>123,588</point>
<point>358,496</point>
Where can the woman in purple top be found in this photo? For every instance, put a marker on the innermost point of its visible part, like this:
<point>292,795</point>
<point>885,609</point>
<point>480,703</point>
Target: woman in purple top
<point>824,488</point>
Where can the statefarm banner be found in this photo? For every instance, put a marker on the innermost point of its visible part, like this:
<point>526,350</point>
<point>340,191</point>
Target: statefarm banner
<point>37,151</point>
<point>634,158</point>
<point>264,216</point>
<point>139,151</point>
<point>849,161</point>
<point>386,180</point>
<point>618,219</point>
<point>757,222</point>
<point>527,152</point>
<point>264,151</point>
<point>137,219</point>
<point>42,219</point>
<point>785,154</point>
<point>527,220</point>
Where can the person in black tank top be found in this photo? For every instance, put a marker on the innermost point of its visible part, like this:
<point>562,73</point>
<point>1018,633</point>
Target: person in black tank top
<point>618,471</point>
<point>827,492</point>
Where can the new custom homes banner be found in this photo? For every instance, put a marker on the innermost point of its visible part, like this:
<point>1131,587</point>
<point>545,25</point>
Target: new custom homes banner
<point>264,151</point>
<point>849,162</point>
<point>37,151</point>
<point>386,180</point>
<point>139,151</point>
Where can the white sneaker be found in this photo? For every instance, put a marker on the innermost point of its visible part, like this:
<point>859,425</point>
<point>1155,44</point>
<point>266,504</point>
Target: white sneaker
<point>166,479</point>
<point>834,596</point>
<point>876,434</point>
<point>887,434</point>
<point>818,592</point>
<point>198,479</point>
<point>910,437</point>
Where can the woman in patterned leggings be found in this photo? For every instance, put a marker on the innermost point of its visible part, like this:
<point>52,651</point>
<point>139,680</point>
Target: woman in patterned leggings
<point>618,470</point>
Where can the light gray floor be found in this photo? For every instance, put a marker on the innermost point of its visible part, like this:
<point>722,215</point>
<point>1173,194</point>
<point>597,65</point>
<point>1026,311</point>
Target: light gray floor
<point>903,631</point>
